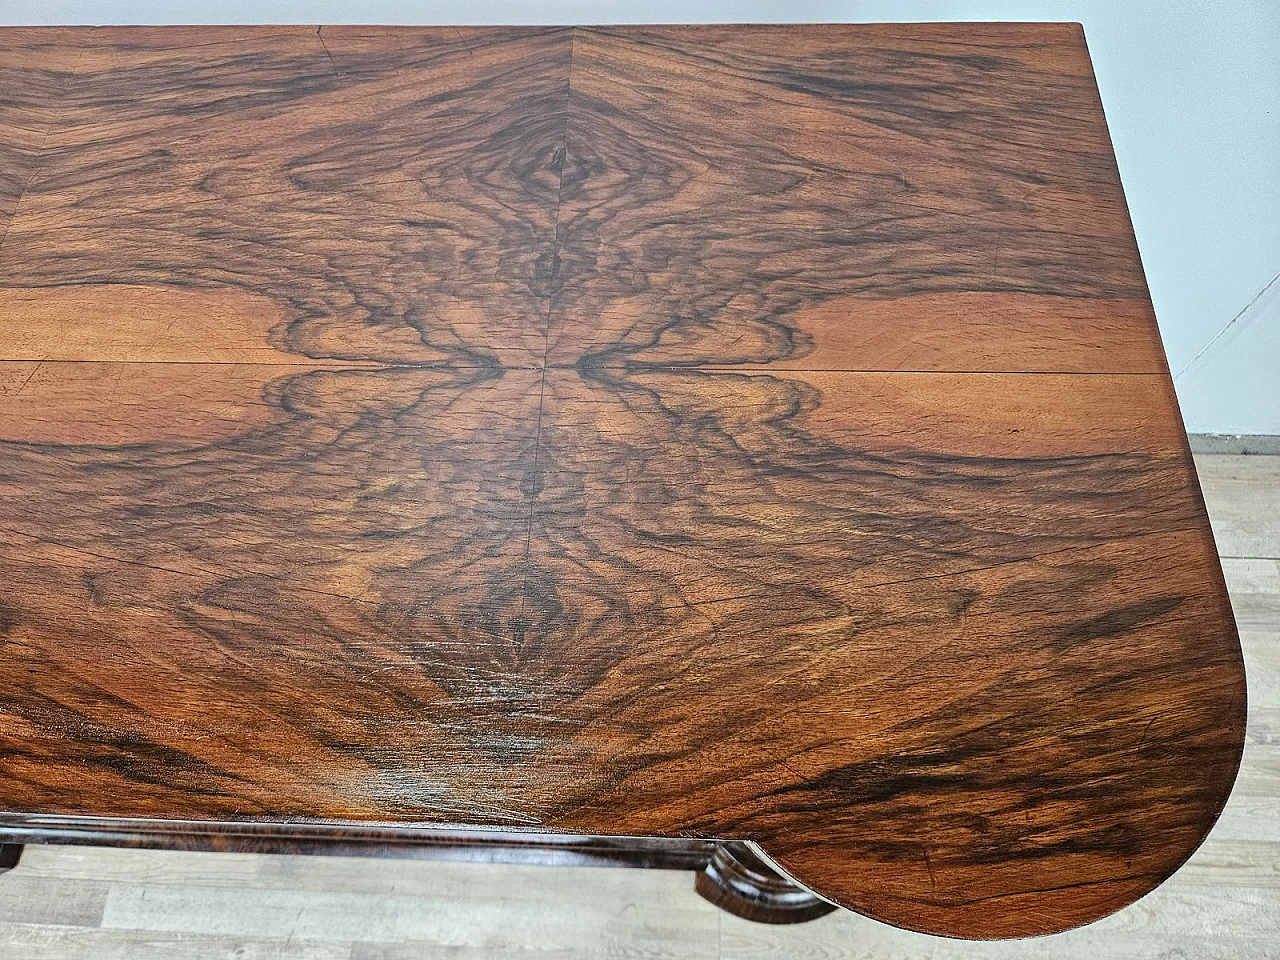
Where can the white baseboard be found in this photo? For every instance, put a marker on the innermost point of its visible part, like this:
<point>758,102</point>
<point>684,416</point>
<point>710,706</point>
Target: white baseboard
<point>1234,443</point>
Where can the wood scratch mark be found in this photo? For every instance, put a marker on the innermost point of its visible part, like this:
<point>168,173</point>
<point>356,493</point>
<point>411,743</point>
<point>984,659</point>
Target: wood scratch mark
<point>463,40</point>
<point>1144,731</point>
<point>933,878</point>
<point>34,371</point>
<point>332,63</point>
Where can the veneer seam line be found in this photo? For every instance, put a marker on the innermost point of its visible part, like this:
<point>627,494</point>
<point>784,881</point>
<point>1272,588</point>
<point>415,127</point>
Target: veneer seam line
<point>546,341</point>
<point>37,161</point>
<point>746,369</point>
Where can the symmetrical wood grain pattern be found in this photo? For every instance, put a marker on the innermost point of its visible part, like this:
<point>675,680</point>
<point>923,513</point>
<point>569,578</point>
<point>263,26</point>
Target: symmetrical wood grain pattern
<point>741,433</point>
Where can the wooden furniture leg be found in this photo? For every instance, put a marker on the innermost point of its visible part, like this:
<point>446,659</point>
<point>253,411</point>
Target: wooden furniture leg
<point>10,854</point>
<point>730,874</point>
<point>738,880</point>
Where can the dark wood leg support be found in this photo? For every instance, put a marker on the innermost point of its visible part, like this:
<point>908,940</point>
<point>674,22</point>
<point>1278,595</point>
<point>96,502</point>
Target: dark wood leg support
<point>730,875</point>
<point>739,881</point>
<point>10,854</point>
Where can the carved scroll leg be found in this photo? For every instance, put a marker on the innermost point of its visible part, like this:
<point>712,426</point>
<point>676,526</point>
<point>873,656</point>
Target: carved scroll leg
<point>10,854</point>
<point>739,881</point>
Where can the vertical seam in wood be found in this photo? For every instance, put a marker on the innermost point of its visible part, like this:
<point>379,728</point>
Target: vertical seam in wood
<point>546,340</point>
<point>58,111</point>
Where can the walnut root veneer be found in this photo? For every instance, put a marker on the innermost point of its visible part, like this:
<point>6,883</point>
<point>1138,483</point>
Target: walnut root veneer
<point>728,432</point>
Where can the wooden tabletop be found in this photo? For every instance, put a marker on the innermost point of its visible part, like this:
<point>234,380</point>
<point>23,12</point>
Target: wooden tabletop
<point>736,432</point>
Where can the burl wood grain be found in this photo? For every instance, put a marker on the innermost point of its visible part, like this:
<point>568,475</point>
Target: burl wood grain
<point>745,433</point>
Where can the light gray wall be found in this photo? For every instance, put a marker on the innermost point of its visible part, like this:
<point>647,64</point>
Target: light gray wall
<point>1192,94</point>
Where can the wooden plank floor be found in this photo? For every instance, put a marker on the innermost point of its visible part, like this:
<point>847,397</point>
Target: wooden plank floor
<point>137,905</point>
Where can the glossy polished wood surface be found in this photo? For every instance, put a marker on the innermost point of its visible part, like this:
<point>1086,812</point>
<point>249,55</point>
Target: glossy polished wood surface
<point>740,433</point>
